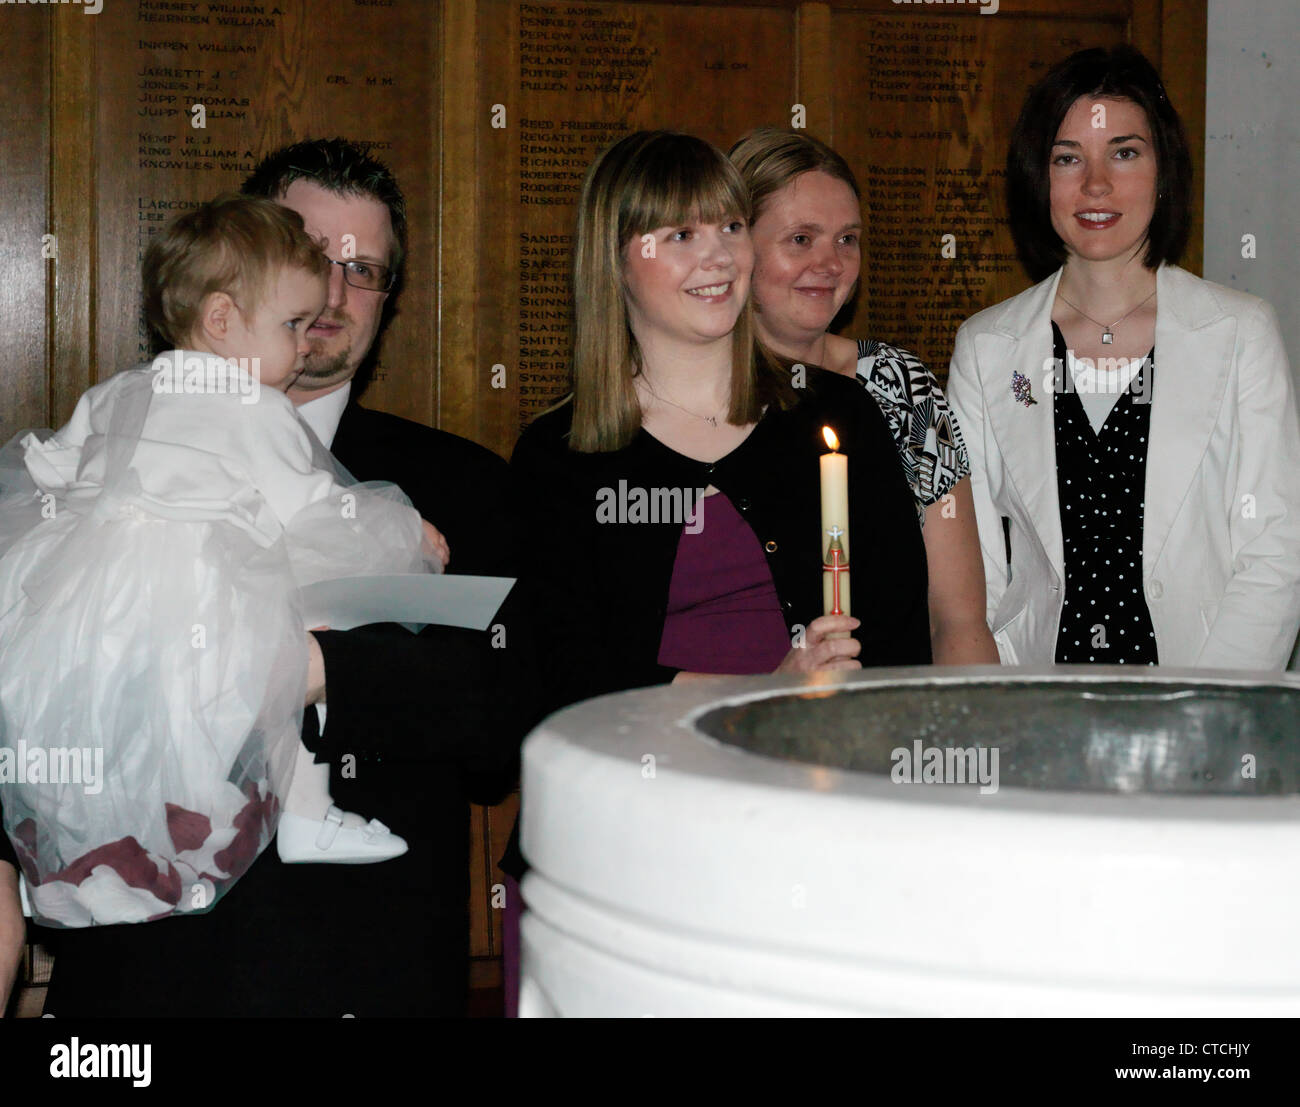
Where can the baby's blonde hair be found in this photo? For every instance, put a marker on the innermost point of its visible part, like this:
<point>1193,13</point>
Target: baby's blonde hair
<point>234,244</point>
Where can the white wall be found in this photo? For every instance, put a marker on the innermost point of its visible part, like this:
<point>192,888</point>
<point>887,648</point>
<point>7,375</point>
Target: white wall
<point>1252,157</point>
<point>1252,153</point>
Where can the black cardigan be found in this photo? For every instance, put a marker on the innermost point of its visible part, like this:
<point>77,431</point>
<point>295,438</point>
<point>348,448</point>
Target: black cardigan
<point>598,591</point>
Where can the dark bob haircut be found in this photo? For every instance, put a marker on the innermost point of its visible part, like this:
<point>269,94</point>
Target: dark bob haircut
<point>337,166</point>
<point>1120,72</point>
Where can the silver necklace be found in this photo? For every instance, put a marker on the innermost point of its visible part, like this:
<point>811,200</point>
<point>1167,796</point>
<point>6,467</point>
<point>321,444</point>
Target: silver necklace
<point>712,420</point>
<point>1107,333</point>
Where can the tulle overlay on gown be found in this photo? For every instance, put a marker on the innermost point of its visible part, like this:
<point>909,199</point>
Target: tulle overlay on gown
<point>152,651</point>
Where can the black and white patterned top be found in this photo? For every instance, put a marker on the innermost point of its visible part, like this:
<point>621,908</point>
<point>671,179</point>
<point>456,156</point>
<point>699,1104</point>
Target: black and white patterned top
<point>924,428</point>
<point>1101,481</point>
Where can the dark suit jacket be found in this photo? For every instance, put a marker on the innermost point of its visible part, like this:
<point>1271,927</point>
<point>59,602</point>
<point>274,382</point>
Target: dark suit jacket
<point>429,724</point>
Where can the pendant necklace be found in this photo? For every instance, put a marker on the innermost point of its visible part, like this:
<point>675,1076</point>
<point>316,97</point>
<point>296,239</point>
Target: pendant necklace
<point>1107,333</point>
<point>712,420</point>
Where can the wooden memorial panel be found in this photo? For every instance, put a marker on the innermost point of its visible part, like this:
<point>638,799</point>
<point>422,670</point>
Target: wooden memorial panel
<point>29,256</point>
<point>560,81</point>
<point>266,74</point>
<point>924,101</point>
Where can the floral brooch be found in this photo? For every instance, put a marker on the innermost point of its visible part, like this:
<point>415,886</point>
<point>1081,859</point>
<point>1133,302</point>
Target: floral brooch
<point>1021,389</point>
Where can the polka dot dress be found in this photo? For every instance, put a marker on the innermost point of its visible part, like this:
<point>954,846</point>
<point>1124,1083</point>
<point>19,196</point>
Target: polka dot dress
<point>1101,480</point>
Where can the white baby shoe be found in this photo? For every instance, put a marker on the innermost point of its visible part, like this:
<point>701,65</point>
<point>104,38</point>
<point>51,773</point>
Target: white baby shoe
<point>329,841</point>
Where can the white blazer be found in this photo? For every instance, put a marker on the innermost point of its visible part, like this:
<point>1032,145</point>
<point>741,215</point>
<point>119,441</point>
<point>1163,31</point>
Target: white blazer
<point>1221,527</point>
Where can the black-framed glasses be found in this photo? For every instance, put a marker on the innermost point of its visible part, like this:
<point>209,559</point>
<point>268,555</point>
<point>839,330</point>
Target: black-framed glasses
<point>367,275</point>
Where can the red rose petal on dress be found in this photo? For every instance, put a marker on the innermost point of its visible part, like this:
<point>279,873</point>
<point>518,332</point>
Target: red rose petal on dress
<point>26,831</point>
<point>237,856</point>
<point>132,863</point>
<point>188,829</point>
<point>25,849</point>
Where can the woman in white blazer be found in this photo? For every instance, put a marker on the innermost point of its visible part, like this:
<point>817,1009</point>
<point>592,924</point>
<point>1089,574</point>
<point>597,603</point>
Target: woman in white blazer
<point>1144,509</point>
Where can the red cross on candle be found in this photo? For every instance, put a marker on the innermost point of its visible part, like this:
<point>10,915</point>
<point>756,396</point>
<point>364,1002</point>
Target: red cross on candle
<point>835,564</point>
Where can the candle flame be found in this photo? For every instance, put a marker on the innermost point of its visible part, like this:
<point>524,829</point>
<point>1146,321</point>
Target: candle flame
<point>831,440</point>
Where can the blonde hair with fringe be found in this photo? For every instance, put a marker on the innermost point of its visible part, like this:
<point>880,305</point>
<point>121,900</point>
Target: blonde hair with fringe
<point>233,244</point>
<point>648,180</point>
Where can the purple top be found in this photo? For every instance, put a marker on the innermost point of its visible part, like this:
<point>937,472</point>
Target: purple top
<point>723,612</point>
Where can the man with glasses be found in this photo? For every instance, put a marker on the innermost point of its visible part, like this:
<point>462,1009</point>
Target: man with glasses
<point>410,727</point>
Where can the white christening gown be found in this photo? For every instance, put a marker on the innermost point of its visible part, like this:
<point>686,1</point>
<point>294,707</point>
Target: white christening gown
<point>152,652</point>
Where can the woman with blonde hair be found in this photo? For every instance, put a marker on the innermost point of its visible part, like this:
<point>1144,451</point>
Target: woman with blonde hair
<point>673,499</point>
<point>672,502</point>
<point>807,223</point>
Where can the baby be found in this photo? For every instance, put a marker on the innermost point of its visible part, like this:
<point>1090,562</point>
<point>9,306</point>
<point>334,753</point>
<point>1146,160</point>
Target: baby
<point>150,554</point>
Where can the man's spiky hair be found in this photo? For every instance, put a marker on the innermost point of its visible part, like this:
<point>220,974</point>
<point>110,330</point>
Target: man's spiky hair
<point>338,166</point>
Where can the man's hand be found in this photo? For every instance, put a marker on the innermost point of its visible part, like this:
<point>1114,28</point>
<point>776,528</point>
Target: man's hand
<point>435,543</point>
<point>315,671</point>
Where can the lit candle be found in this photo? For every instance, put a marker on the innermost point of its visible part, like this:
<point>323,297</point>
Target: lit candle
<point>835,529</point>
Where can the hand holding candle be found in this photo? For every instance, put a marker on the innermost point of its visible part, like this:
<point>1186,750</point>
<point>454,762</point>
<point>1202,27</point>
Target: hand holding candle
<point>835,529</point>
